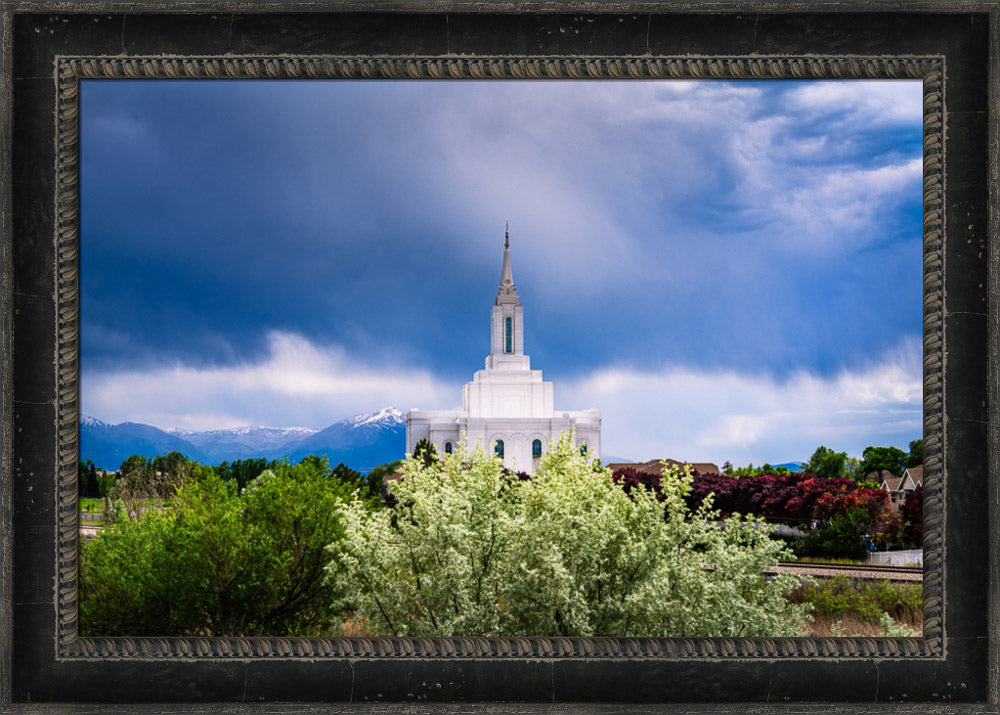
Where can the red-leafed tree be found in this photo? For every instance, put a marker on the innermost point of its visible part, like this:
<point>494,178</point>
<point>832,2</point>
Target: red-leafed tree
<point>795,498</point>
<point>912,511</point>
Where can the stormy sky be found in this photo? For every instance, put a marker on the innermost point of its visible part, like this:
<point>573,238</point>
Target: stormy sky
<point>728,270</point>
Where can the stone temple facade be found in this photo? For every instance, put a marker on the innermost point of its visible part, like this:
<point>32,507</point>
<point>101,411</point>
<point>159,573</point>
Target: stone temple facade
<point>507,407</point>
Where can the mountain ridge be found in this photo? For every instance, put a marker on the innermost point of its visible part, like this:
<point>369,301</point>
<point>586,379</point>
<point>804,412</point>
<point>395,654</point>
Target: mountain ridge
<point>361,441</point>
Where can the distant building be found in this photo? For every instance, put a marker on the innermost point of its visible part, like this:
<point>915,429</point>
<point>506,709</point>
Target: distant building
<point>507,407</point>
<point>899,487</point>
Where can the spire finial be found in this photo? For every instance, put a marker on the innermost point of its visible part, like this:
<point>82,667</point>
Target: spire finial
<point>506,275</point>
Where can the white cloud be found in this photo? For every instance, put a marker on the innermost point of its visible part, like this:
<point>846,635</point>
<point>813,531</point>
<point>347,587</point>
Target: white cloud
<point>679,412</point>
<point>698,415</point>
<point>844,206</point>
<point>868,101</point>
<point>299,383</point>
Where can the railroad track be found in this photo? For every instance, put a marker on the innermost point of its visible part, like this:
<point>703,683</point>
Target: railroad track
<point>873,572</point>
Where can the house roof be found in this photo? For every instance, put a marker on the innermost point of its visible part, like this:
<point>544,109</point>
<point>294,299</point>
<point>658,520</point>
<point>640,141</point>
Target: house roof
<point>892,484</point>
<point>911,478</point>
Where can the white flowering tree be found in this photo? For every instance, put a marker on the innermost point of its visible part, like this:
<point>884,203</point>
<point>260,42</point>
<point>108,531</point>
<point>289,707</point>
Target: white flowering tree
<point>471,550</point>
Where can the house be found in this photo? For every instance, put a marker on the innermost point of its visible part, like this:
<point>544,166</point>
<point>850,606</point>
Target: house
<point>899,487</point>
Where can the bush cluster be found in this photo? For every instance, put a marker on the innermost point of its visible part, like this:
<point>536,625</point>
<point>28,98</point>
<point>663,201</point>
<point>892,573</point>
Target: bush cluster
<point>218,561</point>
<point>837,513</point>
<point>470,549</point>
<point>840,597</point>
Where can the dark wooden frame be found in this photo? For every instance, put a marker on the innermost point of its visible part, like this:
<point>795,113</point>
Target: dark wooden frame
<point>49,47</point>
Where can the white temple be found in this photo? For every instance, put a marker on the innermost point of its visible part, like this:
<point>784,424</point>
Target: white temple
<point>507,407</point>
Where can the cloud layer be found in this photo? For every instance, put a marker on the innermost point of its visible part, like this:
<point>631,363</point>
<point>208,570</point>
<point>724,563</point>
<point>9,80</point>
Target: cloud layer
<point>723,268</point>
<point>678,412</point>
<point>704,415</point>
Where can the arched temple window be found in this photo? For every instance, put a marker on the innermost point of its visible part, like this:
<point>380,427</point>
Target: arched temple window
<point>447,447</point>
<point>498,447</point>
<point>509,339</point>
<point>583,449</point>
<point>536,448</point>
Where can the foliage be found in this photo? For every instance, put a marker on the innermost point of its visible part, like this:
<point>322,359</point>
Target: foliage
<point>789,498</point>
<point>842,537</point>
<point>87,482</point>
<point>751,471</point>
<point>916,456</point>
<point>628,478</point>
<point>219,562</point>
<point>864,600</point>
<point>369,489</point>
<point>243,470</point>
<point>852,470</point>
<point>375,480</point>
<point>141,479</point>
<point>912,511</point>
<point>827,463</point>
<point>892,629</point>
<point>874,459</point>
<point>471,550</point>
<point>425,452</point>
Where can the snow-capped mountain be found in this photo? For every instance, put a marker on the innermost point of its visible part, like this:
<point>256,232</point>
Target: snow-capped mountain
<point>218,445</point>
<point>109,445</point>
<point>361,441</point>
<point>364,440</point>
<point>385,417</point>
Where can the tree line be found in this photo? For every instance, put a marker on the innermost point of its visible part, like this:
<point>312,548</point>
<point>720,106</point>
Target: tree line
<point>458,545</point>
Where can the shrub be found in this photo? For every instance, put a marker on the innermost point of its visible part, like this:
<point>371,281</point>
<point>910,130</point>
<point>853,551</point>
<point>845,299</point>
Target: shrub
<point>867,601</point>
<point>842,537</point>
<point>217,562</point>
<point>471,550</point>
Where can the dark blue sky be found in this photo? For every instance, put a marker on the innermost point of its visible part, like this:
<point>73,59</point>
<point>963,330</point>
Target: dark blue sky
<point>284,252</point>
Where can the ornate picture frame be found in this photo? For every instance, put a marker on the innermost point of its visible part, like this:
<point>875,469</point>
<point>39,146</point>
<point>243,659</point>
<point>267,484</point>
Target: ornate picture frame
<point>48,48</point>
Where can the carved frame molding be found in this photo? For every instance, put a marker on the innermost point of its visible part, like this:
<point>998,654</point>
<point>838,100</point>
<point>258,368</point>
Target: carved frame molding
<point>71,70</point>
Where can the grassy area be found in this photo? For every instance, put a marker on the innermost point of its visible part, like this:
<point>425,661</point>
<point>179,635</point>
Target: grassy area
<point>831,560</point>
<point>94,505</point>
<point>844,606</point>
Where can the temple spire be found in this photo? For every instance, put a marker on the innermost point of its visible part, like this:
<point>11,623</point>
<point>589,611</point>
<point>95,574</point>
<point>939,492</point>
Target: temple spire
<point>507,275</point>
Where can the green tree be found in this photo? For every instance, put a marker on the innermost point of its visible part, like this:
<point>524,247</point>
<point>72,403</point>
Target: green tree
<point>916,456</point>
<point>842,537</point>
<point>425,452</point>
<point>852,469</point>
<point>87,483</point>
<point>472,550</point>
<point>874,459</point>
<point>244,471</point>
<point>141,479</point>
<point>376,477</point>
<point>218,562</point>
<point>824,462</point>
<point>370,489</point>
<point>134,464</point>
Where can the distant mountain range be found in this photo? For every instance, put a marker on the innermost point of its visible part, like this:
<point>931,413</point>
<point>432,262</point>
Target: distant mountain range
<point>361,442</point>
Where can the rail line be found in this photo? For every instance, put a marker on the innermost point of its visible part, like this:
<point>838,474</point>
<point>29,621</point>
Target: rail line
<point>875,572</point>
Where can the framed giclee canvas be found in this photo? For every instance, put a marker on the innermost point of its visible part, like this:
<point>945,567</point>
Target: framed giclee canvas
<point>50,48</point>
